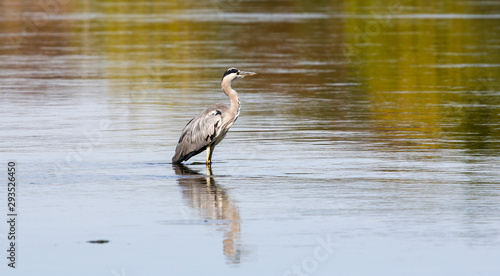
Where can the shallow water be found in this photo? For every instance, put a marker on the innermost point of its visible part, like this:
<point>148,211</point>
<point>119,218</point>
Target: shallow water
<point>368,142</point>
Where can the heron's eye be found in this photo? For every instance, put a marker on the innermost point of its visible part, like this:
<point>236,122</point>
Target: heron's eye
<point>237,73</point>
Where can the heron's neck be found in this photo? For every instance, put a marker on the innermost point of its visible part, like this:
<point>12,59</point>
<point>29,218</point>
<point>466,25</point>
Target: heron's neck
<point>234,109</point>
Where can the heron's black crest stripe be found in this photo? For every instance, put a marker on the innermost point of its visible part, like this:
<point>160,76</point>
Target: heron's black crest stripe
<point>230,71</point>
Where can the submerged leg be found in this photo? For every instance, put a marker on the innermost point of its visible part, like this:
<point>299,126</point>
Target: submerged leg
<point>209,172</point>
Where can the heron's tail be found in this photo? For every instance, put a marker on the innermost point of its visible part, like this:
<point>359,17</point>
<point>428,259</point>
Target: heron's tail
<point>178,158</point>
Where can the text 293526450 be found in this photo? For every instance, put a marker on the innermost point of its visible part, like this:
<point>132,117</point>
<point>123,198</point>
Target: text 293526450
<point>11,214</point>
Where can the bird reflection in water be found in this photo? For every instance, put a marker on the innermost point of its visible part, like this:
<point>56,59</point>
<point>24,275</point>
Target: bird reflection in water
<point>214,204</point>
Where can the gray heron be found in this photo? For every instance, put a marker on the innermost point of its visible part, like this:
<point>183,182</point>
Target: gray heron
<point>208,128</point>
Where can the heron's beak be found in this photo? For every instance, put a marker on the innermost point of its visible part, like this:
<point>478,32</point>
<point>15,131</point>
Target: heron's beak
<point>244,74</point>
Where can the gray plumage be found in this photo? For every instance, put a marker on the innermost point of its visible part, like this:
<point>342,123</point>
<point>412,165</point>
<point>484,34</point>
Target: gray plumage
<point>208,128</point>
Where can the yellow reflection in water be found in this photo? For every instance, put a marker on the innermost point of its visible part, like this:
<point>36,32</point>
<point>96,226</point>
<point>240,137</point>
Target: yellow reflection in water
<point>428,71</point>
<point>422,73</point>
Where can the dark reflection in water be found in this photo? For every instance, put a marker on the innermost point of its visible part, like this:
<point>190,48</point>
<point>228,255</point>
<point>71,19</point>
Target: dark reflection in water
<point>203,193</point>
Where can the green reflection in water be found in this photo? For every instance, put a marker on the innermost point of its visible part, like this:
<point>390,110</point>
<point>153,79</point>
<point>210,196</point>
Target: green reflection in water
<point>423,75</point>
<point>428,79</point>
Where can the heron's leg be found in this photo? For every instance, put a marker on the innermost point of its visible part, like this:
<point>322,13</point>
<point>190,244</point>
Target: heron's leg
<point>209,155</point>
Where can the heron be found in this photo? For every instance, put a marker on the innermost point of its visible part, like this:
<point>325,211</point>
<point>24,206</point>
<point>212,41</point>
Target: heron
<point>208,128</point>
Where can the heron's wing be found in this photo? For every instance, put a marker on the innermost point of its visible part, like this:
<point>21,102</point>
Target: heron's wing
<point>199,133</point>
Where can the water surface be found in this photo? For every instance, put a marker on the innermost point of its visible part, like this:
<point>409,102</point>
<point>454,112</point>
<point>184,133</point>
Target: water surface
<point>368,142</point>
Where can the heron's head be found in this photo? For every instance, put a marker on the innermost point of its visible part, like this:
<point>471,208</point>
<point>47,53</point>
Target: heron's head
<point>233,73</point>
